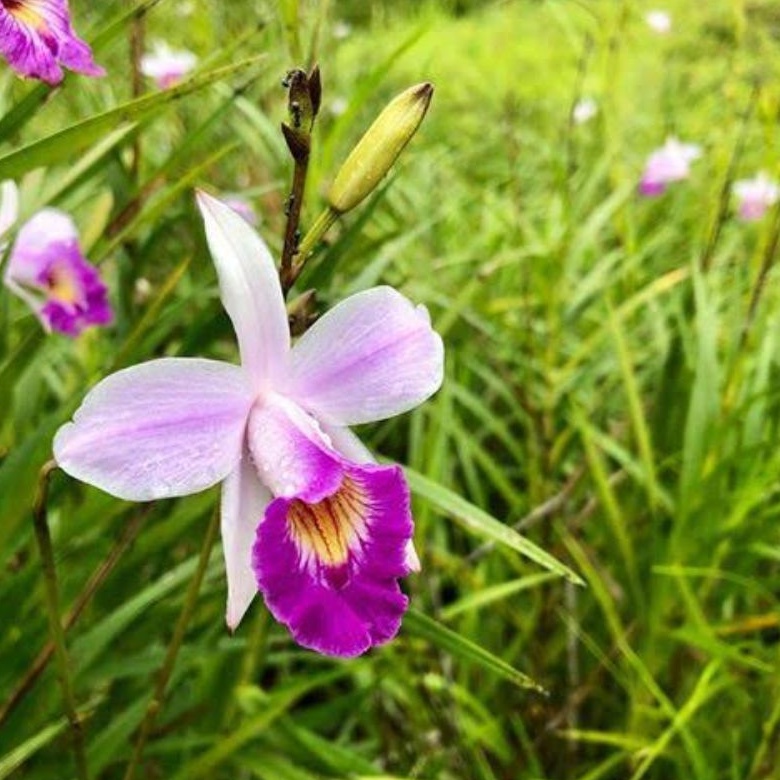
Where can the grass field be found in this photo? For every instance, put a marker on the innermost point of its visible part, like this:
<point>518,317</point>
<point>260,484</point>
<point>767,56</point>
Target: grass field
<point>610,396</point>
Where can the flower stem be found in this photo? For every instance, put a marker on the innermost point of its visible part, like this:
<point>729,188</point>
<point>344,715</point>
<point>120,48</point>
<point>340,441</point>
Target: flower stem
<point>43,538</point>
<point>320,227</point>
<point>291,236</point>
<point>164,675</point>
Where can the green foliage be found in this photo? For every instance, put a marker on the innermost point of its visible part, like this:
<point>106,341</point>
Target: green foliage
<point>609,414</point>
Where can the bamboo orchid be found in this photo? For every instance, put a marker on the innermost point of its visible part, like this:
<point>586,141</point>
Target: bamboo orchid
<point>307,517</point>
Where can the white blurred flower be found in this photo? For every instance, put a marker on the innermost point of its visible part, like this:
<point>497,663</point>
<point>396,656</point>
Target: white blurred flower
<point>584,110</point>
<point>338,105</point>
<point>342,30</point>
<point>166,66</point>
<point>754,196</point>
<point>659,21</point>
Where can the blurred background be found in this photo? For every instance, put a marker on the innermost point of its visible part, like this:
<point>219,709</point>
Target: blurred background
<point>611,391</point>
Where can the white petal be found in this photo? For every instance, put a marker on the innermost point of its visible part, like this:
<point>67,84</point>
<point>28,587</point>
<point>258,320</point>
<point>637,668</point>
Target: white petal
<point>250,290</point>
<point>165,428</point>
<point>244,499</point>
<point>9,206</point>
<point>373,356</point>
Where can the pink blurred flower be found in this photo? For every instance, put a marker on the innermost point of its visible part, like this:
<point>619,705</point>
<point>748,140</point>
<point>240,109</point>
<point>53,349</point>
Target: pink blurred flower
<point>36,37</point>
<point>166,66</point>
<point>755,196</point>
<point>659,21</point>
<point>48,272</point>
<point>669,163</point>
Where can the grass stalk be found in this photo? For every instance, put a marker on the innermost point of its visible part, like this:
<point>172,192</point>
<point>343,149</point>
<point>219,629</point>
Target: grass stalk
<point>43,538</point>
<point>164,675</point>
<point>94,583</point>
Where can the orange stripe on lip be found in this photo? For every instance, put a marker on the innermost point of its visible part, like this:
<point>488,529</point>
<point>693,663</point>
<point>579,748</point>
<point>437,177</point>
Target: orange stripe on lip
<point>329,529</point>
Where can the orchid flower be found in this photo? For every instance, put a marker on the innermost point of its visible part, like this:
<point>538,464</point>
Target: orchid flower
<point>49,273</point>
<point>166,66</point>
<point>755,196</point>
<point>669,163</point>
<point>307,517</point>
<point>36,37</point>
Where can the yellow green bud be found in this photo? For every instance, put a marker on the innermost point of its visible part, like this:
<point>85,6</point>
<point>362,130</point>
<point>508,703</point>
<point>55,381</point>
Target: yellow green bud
<point>379,148</point>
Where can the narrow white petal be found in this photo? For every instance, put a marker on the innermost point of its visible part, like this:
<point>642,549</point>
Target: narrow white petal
<point>250,290</point>
<point>244,500</point>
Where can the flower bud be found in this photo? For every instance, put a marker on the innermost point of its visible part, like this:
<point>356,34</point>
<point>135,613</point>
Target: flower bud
<point>379,148</point>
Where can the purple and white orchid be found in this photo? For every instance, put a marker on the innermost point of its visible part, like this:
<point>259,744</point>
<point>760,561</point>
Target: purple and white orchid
<point>48,271</point>
<point>669,163</point>
<point>36,37</point>
<point>307,518</point>
<point>755,196</point>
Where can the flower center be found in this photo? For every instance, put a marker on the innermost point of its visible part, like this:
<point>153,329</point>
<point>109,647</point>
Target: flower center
<point>327,531</point>
<point>61,285</point>
<point>22,12</point>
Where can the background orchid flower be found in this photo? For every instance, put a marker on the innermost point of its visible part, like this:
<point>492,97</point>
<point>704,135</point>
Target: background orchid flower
<point>659,21</point>
<point>584,110</point>
<point>36,37</point>
<point>307,517</point>
<point>166,66</point>
<point>48,271</point>
<point>669,163</point>
<point>755,196</point>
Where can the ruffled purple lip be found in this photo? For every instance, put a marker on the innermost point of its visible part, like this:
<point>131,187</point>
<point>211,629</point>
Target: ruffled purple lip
<point>329,570</point>
<point>37,39</point>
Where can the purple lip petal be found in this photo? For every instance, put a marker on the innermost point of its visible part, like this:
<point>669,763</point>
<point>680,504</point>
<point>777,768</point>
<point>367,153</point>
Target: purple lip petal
<point>329,571</point>
<point>36,37</point>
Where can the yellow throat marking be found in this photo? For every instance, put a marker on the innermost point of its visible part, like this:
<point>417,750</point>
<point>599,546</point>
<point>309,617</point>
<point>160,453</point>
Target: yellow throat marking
<point>327,530</point>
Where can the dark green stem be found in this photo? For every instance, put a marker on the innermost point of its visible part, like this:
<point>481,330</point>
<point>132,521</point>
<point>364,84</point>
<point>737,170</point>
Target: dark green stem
<point>43,538</point>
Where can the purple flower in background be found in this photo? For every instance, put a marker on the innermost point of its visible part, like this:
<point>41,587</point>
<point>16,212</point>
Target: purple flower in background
<point>308,517</point>
<point>670,163</point>
<point>47,271</point>
<point>36,38</point>
<point>755,196</point>
<point>167,67</point>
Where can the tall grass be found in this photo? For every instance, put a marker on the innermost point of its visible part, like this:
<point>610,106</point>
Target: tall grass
<point>610,395</point>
